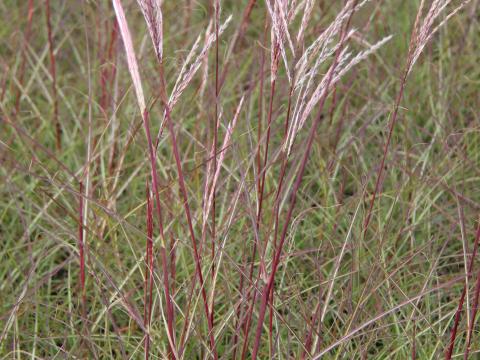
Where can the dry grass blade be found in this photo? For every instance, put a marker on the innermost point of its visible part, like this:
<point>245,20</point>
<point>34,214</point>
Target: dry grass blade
<point>382,315</point>
<point>131,58</point>
<point>134,72</point>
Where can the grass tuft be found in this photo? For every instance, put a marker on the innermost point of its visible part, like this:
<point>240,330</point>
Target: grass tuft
<point>239,179</point>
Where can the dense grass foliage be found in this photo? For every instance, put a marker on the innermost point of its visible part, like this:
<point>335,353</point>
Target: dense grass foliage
<point>239,179</point>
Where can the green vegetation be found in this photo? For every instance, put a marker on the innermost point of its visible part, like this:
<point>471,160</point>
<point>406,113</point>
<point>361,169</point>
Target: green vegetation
<point>293,182</point>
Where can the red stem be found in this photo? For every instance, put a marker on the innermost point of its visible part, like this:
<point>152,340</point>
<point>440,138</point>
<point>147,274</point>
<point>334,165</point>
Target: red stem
<point>259,167</point>
<point>448,354</point>
<point>474,313</point>
<point>293,197</point>
<point>261,174</point>
<point>163,255</point>
<point>183,190</point>
<point>265,156</point>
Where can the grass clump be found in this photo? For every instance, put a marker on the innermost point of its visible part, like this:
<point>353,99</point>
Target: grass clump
<point>249,179</point>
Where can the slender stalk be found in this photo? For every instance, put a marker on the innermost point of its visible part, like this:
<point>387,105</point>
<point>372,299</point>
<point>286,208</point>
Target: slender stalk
<point>393,118</point>
<point>53,74</point>
<point>107,72</point>
<point>112,98</point>
<point>308,341</point>
<point>393,121</point>
<point>26,42</point>
<point>156,32</point>
<point>163,254</point>
<point>453,334</point>
<point>276,205</point>
<point>258,159</point>
<point>472,318</point>
<point>265,155</point>
<point>81,252</point>
<point>268,287</point>
<point>276,212</point>
<point>181,182</point>
<point>216,6</point>
<point>135,74</point>
<point>183,190</point>
<point>148,286</point>
<point>261,174</point>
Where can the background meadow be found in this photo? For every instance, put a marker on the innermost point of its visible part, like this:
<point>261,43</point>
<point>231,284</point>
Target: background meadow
<point>239,179</point>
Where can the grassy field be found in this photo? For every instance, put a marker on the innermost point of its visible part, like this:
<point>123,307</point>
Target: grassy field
<point>288,179</point>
